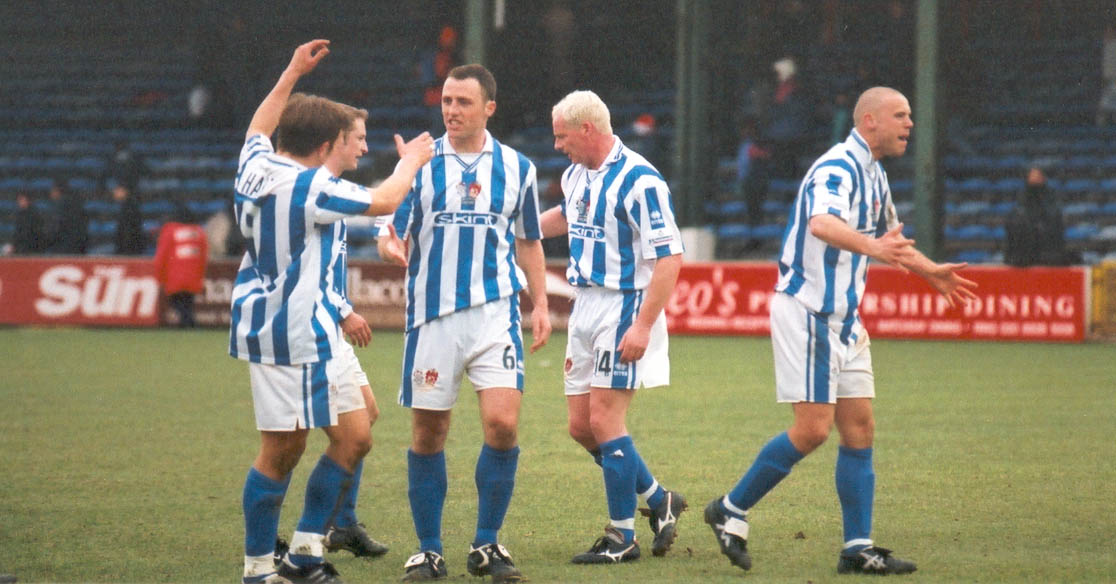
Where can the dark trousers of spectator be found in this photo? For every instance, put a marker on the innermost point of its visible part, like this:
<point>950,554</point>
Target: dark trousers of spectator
<point>183,304</point>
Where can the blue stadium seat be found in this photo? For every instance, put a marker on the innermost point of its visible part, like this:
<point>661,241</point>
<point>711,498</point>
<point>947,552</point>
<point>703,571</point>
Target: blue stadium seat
<point>734,231</point>
<point>768,231</point>
<point>156,208</point>
<point>1081,232</point>
<point>782,185</point>
<point>1080,185</point>
<point>101,207</point>
<point>972,256</point>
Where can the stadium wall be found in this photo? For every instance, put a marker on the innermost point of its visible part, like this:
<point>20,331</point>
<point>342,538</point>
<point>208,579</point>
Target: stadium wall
<point>714,298</point>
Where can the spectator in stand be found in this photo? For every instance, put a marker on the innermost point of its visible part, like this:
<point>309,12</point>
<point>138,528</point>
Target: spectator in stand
<point>788,120</point>
<point>123,167</point>
<point>130,238</point>
<point>68,224</point>
<point>1035,231</point>
<point>840,117</point>
<point>645,139</point>
<point>1106,109</point>
<point>180,259</point>
<point>30,231</point>
<point>434,69</point>
<point>753,170</point>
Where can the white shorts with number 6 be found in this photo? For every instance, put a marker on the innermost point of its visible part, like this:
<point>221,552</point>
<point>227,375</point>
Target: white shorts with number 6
<point>483,341</point>
<point>597,324</point>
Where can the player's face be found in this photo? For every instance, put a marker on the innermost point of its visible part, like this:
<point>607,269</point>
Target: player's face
<point>351,146</point>
<point>570,140</point>
<point>465,111</point>
<point>893,126</point>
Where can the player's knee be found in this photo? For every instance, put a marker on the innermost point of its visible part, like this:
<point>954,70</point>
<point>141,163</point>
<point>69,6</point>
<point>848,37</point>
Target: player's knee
<point>501,432</point>
<point>373,414</point>
<point>582,434</point>
<point>807,437</point>
<point>361,446</point>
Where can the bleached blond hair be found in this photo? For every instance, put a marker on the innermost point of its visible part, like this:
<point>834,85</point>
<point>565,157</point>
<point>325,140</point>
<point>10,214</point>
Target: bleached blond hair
<point>584,106</point>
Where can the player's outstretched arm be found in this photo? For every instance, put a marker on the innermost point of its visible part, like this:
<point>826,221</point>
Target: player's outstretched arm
<point>529,256</point>
<point>412,156</point>
<point>943,277</point>
<point>891,248</point>
<point>305,58</point>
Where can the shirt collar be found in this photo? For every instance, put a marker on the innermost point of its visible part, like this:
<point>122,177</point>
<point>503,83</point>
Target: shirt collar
<point>859,149</point>
<point>447,147</point>
<point>613,154</point>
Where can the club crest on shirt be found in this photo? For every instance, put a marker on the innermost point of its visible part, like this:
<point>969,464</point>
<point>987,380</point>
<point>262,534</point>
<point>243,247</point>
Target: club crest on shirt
<point>424,380</point>
<point>469,194</point>
<point>582,207</point>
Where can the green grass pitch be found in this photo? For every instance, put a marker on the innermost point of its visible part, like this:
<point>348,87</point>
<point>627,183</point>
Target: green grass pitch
<point>124,455</point>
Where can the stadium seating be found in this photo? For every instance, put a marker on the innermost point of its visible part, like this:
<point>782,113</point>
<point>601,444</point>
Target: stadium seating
<point>62,114</point>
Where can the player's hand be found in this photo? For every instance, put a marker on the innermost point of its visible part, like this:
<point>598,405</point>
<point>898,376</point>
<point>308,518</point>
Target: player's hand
<point>894,249</point>
<point>944,279</point>
<point>307,56</point>
<point>356,329</point>
<point>634,343</point>
<point>391,248</point>
<point>420,148</point>
<point>540,328</point>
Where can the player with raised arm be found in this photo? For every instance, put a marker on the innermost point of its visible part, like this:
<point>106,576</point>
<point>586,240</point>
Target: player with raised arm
<point>843,215</point>
<point>625,255</point>
<point>471,221</point>
<point>286,314</point>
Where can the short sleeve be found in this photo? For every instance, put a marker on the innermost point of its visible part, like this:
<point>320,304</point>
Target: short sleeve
<point>527,225</point>
<point>337,198</point>
<point>252,154</point>
<point>658,230</point>
<point>828,190</point>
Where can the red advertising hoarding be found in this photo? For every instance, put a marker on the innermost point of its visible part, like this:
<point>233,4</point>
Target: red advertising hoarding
<point>78,290</point>
<point>1038,304</point>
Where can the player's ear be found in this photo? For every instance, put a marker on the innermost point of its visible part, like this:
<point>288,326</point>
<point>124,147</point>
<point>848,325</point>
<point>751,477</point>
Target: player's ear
<point>490,108</point>
<point>326,147</point>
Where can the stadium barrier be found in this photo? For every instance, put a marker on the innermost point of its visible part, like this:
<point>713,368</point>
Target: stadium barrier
<point>1029,304</point>
<point>1104,299</point>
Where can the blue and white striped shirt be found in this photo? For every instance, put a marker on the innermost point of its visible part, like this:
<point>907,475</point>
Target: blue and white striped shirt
<point>847,183</point>
<point>462,217</point>
<point>289,294</point>
<point>620,218</point>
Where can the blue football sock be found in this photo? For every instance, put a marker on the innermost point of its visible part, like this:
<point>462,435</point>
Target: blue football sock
<point>856,487</point>
<point>644,480</point>
<point>772,464</point>
<point>619,464</point>
<point>495,478</point>
<point>263,499</point>
<point>426,477</point>
<point>325,494</point>
<point>347,517</point>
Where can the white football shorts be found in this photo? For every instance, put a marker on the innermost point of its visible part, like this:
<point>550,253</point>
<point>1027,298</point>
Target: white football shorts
<point>811,362</point>
<point>482,341</point>
<point>308,395</point>
<point>597,324</point>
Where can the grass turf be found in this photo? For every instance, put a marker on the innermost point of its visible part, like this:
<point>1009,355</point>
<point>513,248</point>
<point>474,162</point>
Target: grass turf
<point>124,455</point>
